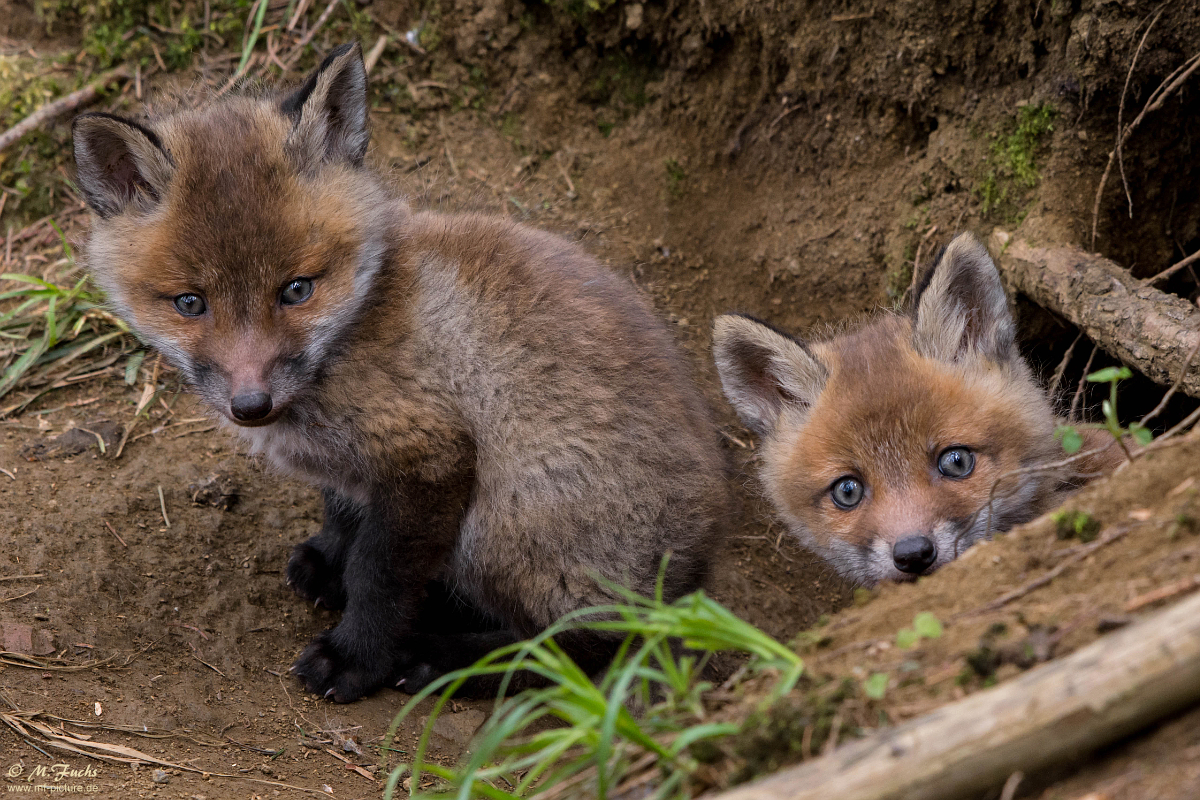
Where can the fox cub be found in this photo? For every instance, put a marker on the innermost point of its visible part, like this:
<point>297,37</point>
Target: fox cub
<point>881,446</point>
<point>496,420</point>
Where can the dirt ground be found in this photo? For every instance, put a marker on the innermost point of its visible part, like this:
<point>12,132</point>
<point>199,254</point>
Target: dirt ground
<point>791,163</point>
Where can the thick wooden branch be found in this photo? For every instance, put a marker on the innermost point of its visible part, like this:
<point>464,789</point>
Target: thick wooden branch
<point>1061,710</point>
<point>1149,330</point>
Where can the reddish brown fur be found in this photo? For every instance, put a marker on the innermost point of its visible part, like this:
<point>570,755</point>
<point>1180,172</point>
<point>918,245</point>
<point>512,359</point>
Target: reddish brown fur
<point>877,408</point>
<point>885,412</point>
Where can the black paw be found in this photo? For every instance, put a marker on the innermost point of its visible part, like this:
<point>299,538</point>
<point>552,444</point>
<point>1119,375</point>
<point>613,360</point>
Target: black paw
<point>328,670</point>
<point>413,679</point>
<point>312,577</point>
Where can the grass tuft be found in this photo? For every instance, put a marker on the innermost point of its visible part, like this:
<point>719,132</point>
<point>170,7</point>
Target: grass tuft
<point>47,329</point>
<point>598,745</point>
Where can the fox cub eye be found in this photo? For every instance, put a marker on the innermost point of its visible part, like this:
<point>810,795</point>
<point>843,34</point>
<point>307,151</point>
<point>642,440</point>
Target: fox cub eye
<point>190,305</point>
<point>296,291</point>
<point>846,493</point>
<point>956,462</point>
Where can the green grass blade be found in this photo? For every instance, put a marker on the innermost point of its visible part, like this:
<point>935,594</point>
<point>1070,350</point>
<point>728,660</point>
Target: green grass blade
<point>249,47</point>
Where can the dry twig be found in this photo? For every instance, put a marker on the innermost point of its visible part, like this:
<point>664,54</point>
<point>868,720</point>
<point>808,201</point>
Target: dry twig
<point>1169,85</point>
<point>1015,594</point>
<point>63,105</point>
<point>1163,593</point>
<point>1062,366</point>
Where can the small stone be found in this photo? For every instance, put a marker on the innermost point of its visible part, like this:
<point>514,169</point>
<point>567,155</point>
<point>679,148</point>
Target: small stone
<point>634,14</point>
<point>455,730</point>
<point>160,776</point>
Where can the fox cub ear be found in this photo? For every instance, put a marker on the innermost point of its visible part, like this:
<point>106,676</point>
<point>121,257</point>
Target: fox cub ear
<point>960,307</point>
<point>119,164</point>
<point>329,111</point>
<point>762,369</point>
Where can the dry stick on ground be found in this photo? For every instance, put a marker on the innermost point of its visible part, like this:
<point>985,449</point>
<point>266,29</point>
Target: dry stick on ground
<point>1153,103</point>
<point>114,533</point>
<point>19,596</point>
<point>1163,593</point>
<point>1063,709</point>
<point>63,105</point>
<point>291,57</point>
<point>26,723</point>
<point>1037,583</point>
<point>1147,329</point>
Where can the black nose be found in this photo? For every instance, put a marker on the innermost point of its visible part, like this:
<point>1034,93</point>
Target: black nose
<point>914,554</point>
<point>250,406</point>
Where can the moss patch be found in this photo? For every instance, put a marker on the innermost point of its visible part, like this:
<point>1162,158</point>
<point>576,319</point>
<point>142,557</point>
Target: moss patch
<point>1011,173</point>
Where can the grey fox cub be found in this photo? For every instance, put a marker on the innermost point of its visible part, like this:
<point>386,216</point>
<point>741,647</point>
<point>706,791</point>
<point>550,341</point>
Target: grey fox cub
<point>496,420</point>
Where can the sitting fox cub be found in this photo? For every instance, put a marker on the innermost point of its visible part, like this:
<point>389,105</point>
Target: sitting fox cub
<point>880,446</point>
<point>496,420</point>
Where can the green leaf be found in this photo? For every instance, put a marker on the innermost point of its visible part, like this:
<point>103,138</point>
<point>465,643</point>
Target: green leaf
<point>132,366</point>
<point>1141,434</point>
<point>1072,441</point>
<point>875,686</point>
<point>1110,374</point>
<point>907,638</point>
<point>927,625</point>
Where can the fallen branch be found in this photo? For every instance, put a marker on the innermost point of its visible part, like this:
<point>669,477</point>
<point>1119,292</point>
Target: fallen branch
<point>1149,330</point>
<point>1051,714</point>
<point>63,105</point>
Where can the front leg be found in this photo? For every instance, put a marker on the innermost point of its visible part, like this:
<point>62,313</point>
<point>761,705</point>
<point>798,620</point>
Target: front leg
<point>315,569</point>
<point>402,541</point>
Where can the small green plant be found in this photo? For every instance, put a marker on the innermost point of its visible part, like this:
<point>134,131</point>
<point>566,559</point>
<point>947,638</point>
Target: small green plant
<point>1070,437</point>
<point>598,738</point>
<point>50,325</point>
<point>925,626</point>
<point>1070,523</point>
<point>675,177</point>
<point>1011,167</point>
<point>875,687</point>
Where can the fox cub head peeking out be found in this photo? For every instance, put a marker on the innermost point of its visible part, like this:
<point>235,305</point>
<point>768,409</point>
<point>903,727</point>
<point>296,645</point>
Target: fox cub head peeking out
<point>881,446</point>
<point>274,188</point>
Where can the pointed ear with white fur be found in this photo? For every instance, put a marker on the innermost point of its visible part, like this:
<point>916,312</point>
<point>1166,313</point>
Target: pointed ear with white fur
<point>329,111</point>
<point>119,164</point>
<point>960,307</point>
<point>763,370</point>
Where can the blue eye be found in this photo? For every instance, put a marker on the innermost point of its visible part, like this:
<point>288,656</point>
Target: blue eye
<point>296,291</point>
<point>190,305</point>
<point>956,462</point>
<point>846,492</point>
